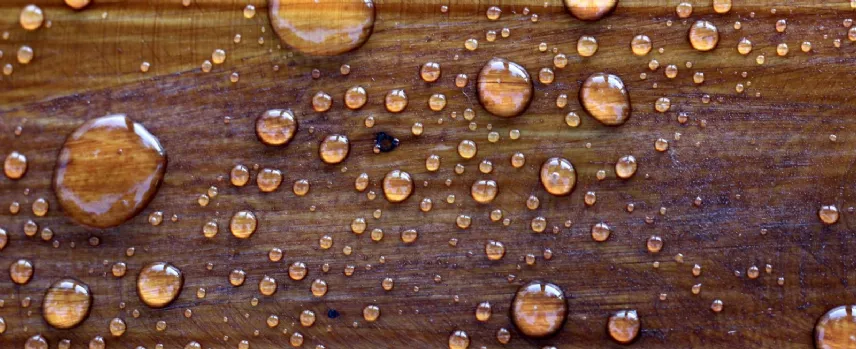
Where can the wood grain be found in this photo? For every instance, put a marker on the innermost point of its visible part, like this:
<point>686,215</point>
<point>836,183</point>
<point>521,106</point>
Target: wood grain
<point>760,163</point>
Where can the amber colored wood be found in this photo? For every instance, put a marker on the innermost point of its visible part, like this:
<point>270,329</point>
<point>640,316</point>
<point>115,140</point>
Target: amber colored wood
<point>760,164</point>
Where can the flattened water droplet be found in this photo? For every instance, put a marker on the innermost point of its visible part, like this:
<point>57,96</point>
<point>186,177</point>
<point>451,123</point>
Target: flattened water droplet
<point>504,87</point>
<point>128,162</point>
<point>323,27</point>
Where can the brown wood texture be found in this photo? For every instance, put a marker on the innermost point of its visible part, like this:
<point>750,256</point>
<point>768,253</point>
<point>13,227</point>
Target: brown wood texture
<point>760,163</point>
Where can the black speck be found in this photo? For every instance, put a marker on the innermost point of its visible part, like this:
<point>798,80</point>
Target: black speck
<point>332,313</point>
<point>385,142</point>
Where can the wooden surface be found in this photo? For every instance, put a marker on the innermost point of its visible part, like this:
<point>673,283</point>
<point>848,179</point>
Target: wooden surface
<point>760,164</point>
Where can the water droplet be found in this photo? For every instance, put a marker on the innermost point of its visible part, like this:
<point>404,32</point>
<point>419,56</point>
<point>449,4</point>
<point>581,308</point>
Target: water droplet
<point>625,167</point>
<point>716,306</point>
<point>128,160</point>
<point>654,244</point>
<point>471,44</point>
<point>703,36</point>
<point>322,102</point>
<point>600,232</point>
<point>587,46</point>
<point>430,71</point>
<point>828,214</point>
<point>558,176</point>
<point>493,13</point>
<point>590,10</point>
<point>267,285</point>
<point>684,10</point>
<point>159,284</point>
<point>249,11</point>
<point>835,328</point>
<point>484,191</point>
<point>355,97</point>
<point>269,180</point>
<point>623,326</point>
<point>117,327</point>
<point>31,17</point>
<point>15,165</point>
<point>395,101</point>
<point>409,236</point>
<point>21,271</point>
<point>467,149</point>
<point>36,342</point>
<point>334,149</point>
<point>237,277</point>
<point>459,340</point>
<point>539,309</point>
<point>781,25</point>
<point>483,311</point>
<point>243,224</point>
<point>77,4</point>
<point>546,76</point>
<point>722,6</point>
<point>641,45</point>
<point>66,304</point>
<point>276,127</point>
<point>397,186</point>
<point>504,87</point>
<point>437,102</point>
<point>661,144</point>
<point>371,313</point>
<point>323,27</point>
<point>605,98</point>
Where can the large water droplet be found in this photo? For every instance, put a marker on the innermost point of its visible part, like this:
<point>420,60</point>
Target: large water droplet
<point>108,171</point>
<point>836,328</point>
<point>323,27</point>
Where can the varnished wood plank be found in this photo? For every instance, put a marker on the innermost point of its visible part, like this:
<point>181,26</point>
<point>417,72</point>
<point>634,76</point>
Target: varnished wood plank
<point>761,163</point>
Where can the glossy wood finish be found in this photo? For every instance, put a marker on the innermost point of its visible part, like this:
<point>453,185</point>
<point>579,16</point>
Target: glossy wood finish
<point>762,164</point>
